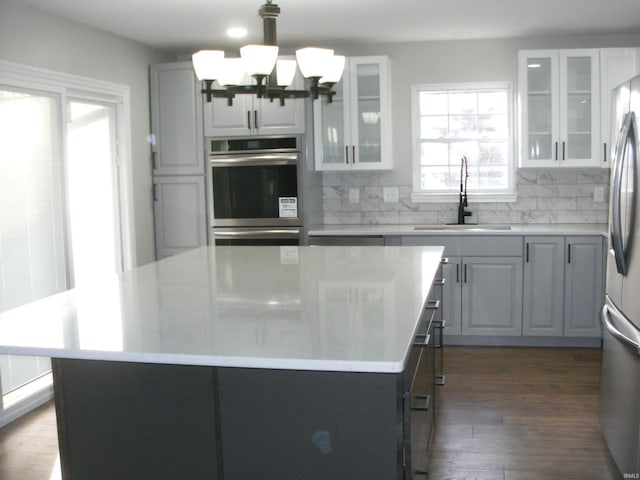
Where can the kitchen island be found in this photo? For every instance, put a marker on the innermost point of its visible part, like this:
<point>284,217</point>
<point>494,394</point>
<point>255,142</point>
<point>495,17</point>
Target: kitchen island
<point>238,362</point>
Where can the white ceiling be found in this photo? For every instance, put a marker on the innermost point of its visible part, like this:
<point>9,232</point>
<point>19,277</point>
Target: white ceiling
<point>187,25</point>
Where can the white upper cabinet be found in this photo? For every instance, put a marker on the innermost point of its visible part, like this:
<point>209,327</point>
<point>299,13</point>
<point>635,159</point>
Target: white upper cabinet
<point>616,66</point>
<point>353,132</point>
<point>559,104</point>
<point>250,115</point>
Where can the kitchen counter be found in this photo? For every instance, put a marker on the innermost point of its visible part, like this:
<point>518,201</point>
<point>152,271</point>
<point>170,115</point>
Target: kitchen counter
<point>258,307</point>
<point>403,230</point>
<point>243,362</point>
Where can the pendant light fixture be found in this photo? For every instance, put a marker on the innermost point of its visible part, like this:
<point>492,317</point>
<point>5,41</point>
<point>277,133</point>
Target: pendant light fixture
<point>272,75</point>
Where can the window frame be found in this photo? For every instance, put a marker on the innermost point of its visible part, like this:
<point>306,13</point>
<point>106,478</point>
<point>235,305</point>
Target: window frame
<point>421,196</point>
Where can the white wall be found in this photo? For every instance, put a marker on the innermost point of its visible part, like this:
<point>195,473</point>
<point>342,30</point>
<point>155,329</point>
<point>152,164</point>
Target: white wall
<point>34,38</point>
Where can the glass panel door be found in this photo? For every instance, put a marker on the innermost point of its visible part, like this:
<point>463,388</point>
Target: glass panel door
<point>32,239</point>
<point>578,101</point>
<point>539,109</point>
<point>93,191</point>
<point>366,132</point>
<point>333,127</point>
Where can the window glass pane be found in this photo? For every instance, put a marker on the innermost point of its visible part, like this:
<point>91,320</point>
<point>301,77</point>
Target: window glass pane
<point>435,178</point>
<point>492,126</point>
<point>433,103</point>
<point>470,122</point>
<point>463,103</point>
<point>492,102</point>
<point>434,127</point>
<point>463,126</point>
<point>434,154</point>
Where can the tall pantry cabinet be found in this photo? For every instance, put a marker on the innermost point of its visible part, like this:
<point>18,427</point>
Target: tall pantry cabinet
<point>179,173</point>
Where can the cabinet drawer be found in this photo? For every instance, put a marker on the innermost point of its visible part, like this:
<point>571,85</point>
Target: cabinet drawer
<point>478,245</point>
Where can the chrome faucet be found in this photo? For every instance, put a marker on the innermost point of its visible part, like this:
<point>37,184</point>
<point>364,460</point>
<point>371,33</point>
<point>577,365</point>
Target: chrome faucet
<point>462,202</point>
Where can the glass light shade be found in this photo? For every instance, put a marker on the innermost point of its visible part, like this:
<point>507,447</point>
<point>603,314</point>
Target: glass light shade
<point>259,59</point>
<point>312,61</point>
<point>232,72</point>
<point>207,63</point>
<point>333,69</point>
<point>285,71</point>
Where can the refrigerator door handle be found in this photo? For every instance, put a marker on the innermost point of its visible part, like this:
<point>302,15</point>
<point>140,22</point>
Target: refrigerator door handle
<point>627,136</point>
<point>608,311</point>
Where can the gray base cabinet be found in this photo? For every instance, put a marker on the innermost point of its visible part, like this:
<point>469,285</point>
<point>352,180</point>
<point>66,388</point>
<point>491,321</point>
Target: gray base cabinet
<point>563,289</point>
<point>491,296</point>
<point>543,300</point>
<point>583,286</point>
<point>483,283</point>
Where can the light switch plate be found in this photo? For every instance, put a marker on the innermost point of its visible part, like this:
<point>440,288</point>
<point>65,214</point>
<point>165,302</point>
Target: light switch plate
<point>390,194</point>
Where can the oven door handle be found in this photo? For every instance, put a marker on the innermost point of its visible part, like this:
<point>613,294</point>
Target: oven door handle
<point>259,233</point>
<point>250,160</point>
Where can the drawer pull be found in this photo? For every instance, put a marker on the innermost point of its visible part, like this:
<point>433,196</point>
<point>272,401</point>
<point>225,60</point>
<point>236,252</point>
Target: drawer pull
<point>440,380</point>
<point>439,282</point>
<point>426,399</point>
<point>433,304</point>
<point>425,342</point>
<point>444,261</point>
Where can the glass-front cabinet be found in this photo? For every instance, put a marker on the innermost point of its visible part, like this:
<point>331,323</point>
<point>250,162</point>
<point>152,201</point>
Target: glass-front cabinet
<point>353,131</point>
<point>559,108</point>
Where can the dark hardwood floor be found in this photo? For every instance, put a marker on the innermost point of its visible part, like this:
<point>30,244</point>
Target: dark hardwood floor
<point>520,414</point>
<point>506,414</point>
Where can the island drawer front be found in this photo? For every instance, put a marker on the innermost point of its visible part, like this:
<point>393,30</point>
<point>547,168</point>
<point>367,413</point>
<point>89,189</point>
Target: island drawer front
<point>477,245</point>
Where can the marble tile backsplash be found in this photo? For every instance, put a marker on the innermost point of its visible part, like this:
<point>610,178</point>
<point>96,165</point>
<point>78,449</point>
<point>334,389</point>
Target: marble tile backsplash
<point>544,196</point>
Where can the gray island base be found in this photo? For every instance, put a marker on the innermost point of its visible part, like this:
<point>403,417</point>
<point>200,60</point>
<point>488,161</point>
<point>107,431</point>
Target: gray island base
<point>242,363</point>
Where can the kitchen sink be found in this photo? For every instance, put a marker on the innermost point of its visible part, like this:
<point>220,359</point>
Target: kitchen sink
<point>465,227</point>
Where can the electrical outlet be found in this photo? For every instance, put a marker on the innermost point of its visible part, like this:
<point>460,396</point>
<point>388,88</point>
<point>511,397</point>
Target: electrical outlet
<point>598,194</point>
<point>354,195</point>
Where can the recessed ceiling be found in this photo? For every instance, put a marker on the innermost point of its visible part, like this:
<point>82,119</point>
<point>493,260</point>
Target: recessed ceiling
<point>184,26</point>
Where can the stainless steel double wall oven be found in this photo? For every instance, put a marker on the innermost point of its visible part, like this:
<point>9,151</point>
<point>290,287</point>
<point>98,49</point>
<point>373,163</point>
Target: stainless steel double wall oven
<point>256,191</point>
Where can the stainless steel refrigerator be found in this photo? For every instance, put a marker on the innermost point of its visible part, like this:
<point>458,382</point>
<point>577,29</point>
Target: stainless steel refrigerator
<point>620,386</point>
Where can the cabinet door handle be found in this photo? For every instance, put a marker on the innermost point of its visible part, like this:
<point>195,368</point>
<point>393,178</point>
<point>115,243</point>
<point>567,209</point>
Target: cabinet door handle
<point>248,119</point>
<point>255,119</point>
<point>154,192</point>
<point>569,253</point>
<point>563,150</point>
<point>353,154</point>
<point>154,161</point>
<point>465,273</point>
<point>346,154</point>
<point>604,152</point>
<point>556,151</point>
<point>527,253</point>
<point>457,273</point>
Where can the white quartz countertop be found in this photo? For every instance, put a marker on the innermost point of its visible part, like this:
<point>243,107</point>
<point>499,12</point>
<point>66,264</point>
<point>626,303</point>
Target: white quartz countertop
<point>395,230</point>
<point>303,308</point>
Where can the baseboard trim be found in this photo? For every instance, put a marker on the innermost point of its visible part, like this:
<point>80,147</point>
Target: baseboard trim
<point>506,341</point>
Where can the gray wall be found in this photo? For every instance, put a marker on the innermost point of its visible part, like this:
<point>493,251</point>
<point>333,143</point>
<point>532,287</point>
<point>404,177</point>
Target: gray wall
<point>34,38</point>
<point>462,61</point>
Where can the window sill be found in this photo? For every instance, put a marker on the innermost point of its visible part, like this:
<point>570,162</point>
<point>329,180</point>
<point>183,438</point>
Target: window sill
<point>472,197</point>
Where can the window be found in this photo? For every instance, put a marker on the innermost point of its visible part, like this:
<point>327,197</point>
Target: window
<point>452,121</point>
